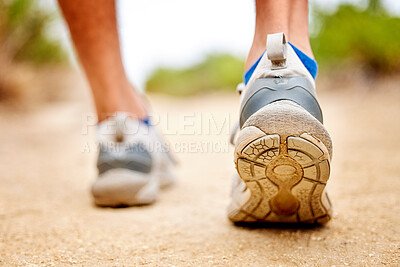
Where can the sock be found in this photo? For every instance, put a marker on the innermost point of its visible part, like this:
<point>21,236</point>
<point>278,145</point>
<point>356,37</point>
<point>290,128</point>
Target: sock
<point>310,64</point>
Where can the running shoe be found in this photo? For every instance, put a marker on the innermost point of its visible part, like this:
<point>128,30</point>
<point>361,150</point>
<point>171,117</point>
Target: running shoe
<point>133,163</point>
<point>282,150</point>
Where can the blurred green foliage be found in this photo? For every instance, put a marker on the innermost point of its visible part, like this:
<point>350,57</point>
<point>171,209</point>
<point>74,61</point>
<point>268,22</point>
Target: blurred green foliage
<point>23,35</point>
<point>221,72</point>
<point>368,38</point>
<point>351,37</point>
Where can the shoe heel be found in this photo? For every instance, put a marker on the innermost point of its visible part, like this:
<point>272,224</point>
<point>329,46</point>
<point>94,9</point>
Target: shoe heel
<point>286,175</point>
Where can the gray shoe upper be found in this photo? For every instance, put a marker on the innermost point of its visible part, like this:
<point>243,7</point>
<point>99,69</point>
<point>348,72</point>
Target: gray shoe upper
<point>265,91</point>
<point>130,144</point>
<point>134,157</point>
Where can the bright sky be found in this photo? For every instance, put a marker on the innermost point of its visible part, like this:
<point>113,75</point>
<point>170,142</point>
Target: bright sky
<point>181,32</point>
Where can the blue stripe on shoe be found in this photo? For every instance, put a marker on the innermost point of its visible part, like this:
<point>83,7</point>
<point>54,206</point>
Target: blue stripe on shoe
<point>146,121</point>
<point>310,64</point>
<point>248,73</point>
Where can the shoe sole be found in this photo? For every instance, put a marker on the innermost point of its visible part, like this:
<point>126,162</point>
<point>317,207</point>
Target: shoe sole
<point>121,187</point>
<point>285,172</point>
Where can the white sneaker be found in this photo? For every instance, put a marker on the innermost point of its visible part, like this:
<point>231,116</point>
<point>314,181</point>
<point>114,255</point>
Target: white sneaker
<point>283,151</point>
<point>133,163</point>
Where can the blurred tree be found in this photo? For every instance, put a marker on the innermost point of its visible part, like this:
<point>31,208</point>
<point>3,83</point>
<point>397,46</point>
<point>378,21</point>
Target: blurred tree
<point>216,72</point>
<point>369,38</point>
<point>23,38</point>
<point>375,7</point>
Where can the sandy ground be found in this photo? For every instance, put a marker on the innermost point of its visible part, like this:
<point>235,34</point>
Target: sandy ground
<point>47,216</point>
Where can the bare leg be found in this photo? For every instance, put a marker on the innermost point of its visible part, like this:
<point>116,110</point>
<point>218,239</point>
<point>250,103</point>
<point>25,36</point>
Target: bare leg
<point>288,16</point>
<point>298,26</point>
<point>93,28</point>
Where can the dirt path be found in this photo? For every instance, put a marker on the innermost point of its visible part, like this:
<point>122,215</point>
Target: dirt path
<point>47,217</point>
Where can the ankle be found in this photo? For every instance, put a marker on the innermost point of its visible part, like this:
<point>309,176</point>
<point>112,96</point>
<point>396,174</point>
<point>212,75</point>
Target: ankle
<point>259,45</point>
<point>123,100</point>
<point>256,50</point>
